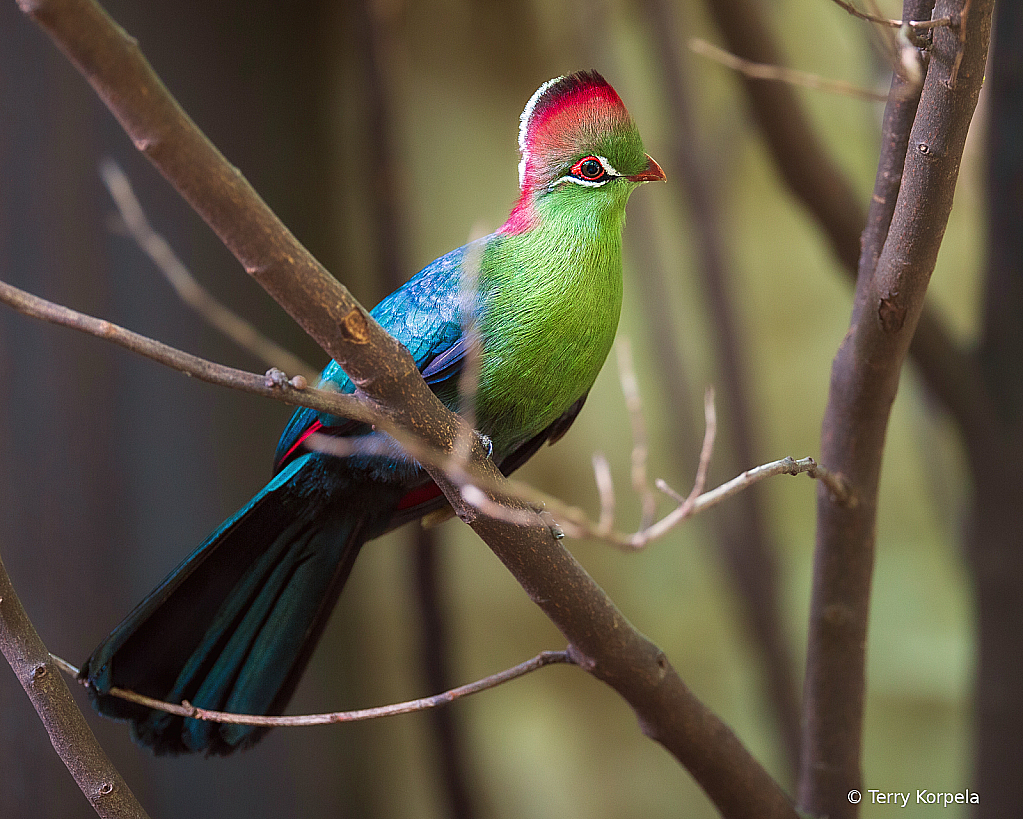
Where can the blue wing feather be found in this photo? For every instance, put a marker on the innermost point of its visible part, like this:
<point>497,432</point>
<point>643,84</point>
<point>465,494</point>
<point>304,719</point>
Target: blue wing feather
<point>423,314</point>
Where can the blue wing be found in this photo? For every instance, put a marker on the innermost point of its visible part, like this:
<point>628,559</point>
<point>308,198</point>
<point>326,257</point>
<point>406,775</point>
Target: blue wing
<point>423,315</point>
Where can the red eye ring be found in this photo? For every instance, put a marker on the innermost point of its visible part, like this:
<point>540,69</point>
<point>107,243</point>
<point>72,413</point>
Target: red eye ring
<point>590,169</point>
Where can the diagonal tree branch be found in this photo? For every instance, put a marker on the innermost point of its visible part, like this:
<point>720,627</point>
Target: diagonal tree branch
<point>864,381</point>
<point>601,639</point>
<point>70,734</point>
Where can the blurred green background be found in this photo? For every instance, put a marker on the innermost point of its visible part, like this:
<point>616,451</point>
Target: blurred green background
<point>112,469</point>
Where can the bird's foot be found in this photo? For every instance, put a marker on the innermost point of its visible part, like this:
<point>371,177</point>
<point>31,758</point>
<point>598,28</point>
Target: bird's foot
<point>485,440</point>
<point>552,525</point>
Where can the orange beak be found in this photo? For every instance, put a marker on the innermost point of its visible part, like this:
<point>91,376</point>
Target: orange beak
<point>652,172</point>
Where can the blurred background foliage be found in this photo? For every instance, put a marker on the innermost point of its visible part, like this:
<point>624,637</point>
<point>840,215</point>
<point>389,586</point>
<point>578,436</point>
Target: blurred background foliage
<point>114,468</point>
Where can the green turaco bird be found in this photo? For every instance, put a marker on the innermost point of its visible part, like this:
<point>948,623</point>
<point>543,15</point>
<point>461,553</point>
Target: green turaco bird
<point>233,627</point>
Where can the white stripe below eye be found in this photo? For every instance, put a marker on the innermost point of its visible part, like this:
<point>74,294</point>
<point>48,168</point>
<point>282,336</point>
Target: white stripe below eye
<point>586,183</point>
<point>591,183</point>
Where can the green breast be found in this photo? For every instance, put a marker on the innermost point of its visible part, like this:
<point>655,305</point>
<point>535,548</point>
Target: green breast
<point>550,300</point>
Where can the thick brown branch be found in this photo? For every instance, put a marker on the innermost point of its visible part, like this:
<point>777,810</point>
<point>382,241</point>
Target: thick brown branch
<point>70,734</point>
<point>864,380</point>
<point>950,371</point>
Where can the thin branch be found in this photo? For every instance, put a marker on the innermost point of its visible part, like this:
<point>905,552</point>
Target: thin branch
<point>606,491</point>
<point>68,729</point>
<point>479,490</point>
<point>785,466</point>
<point>158,249</point>
<point>781,73</point>
<point>186,709</point>
<point>273,384</point>
<point>921,25</point>
<point>640,448</point>
<point>706,451</point>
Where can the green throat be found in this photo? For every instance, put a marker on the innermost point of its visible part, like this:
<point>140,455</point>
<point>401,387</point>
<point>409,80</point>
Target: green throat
<point>553,296</point>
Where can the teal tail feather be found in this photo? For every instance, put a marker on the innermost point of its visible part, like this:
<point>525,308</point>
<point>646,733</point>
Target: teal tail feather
<point>232,628</point>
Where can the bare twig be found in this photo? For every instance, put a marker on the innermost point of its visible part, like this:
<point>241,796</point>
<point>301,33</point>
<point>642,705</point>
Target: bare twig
<point>476,489</point>
<point>885,21</point>
<point>668,490</point>
<point>781,73</point>
<point>606,490</point>
<point>785,466</point>
<point>640,448</point>
<point>186,709</point>
<point>244,334</point>
<point>706,451</point>
<point>271,385</point>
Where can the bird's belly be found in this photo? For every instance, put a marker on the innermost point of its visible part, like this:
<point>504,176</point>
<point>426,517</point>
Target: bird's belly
<point>520,395</point>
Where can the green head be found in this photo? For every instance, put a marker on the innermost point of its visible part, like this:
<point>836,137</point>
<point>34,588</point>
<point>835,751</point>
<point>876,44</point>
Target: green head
<point>579,149</point>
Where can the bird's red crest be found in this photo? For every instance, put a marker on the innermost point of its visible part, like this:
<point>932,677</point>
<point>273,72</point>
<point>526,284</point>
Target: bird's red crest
<point>564,113</point>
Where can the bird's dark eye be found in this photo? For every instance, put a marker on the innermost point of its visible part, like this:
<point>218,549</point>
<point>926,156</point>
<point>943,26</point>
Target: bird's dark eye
<point>590,169</point>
